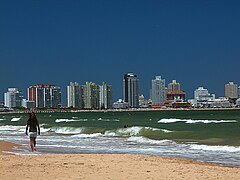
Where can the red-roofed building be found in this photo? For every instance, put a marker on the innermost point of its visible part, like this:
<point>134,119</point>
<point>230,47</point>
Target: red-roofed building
<point>45,96</point>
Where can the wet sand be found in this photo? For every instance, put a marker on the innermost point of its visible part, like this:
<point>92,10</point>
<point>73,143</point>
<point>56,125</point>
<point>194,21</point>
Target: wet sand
<point>106,166</point>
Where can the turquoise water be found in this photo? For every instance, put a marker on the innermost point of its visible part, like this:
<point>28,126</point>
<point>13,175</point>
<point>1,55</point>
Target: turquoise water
<point>210,135</point>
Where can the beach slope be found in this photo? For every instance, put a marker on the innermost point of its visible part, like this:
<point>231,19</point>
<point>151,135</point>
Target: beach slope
<point>108,166</point>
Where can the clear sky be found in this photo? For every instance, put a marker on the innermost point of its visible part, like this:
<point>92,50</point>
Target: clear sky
<point>46,41</point>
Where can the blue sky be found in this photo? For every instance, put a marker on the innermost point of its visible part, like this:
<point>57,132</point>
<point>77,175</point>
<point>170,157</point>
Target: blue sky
<point>195,42</point>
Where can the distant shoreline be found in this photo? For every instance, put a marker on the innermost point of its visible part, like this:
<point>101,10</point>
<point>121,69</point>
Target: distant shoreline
<point>116,110</point>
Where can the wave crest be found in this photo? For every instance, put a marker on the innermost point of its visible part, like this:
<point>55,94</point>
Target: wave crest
<point>15,119</point>
<point>191,121</point>
<point>144,140</point>
<point>215,148</point>
<point>69,120</point>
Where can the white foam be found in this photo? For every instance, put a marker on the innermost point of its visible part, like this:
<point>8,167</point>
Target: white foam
<point>191,121</point>
<point>215,148</point>
<point>59,146</point>
<point>11,128</point>
<point>69,120</point>
<point>15,119</point>
<point>144,140</point>
<point>108,120</point>
<point>156,129</point>
<point>67,130</point>
<point>166,131</point>
<point>131,131</point>
<point>2,119</point>
<point>87,135</point>
<point>44,129</point>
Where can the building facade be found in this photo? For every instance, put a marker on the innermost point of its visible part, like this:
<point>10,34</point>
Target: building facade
<point>239,91</point>
<point>120,104</point>
<point>174,86</point>
<point>45,96</point>
<point>75,95</point>
<point>158,91</point>
<point>13,98</point>
<point>200,91</point>
<point>231,90</point>
<point>91,95</point>
<point>27,104</point>
<point>131,90</point>
<point>105,96</point>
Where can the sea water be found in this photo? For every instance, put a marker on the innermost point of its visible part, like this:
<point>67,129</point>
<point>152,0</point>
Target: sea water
<point>208,136</point>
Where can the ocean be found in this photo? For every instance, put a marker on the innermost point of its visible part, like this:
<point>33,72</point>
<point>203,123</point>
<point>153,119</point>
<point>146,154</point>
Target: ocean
<point>204,135</point>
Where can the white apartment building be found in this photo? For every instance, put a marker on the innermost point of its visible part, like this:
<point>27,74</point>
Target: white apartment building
<point>158,91</point>
<point>13,98</point>
<point>231,90</point>
<point>75,95</point>
<point>105,96</point>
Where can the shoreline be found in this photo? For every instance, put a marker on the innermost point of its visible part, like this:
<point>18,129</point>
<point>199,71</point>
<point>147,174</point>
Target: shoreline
<point>6,146</point>
<point>63,110</point>
<point>107,166</point>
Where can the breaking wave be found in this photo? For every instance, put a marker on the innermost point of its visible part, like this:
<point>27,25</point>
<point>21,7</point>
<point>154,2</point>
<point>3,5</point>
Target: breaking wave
<point>191,121</point>
<point>15,119</point>
<point>143,140</point>
<point>215,148</point>
<point>12,128</point>
<point>100,119</point>
<point>69,120</point>
<point>87,135</point>
<point>133,131</point>
<point>93,132</point>
<point>67,130</point>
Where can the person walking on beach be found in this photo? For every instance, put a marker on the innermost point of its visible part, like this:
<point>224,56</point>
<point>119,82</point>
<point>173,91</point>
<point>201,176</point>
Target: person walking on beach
<point>32,129</point>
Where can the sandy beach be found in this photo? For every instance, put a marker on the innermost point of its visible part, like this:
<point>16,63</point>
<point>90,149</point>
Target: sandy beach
<point>106,166</point>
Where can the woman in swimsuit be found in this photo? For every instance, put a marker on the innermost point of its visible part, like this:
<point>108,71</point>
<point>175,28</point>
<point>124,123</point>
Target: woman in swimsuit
<point>32,129</point>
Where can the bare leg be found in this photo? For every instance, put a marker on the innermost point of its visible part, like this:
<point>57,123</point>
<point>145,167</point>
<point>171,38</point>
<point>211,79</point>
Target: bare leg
<point>32,143</point>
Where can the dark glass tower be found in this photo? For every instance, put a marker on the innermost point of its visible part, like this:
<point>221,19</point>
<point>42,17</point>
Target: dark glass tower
<point>130,90</point>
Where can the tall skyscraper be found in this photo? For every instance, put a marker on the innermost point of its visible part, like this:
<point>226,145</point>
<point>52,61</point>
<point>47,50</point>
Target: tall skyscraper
<point>13,98</point>
<point>45,96</point>
<point>75,95</point>
<point>91,95</point>
<point>231,90</point>
<point>131,90</point>
<point>174,86</point>
<point>158,94</point>
<point>105,96</point>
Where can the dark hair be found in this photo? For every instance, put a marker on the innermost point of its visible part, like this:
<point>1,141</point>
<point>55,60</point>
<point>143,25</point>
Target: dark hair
<point>32,118</point>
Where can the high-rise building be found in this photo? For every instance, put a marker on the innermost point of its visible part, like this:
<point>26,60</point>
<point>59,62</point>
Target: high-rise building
<point>239,91</point>
<point>131,90</point>
<point>27,104</point>
<point>45,96</point>
<point>91,95</point>
<point>56,97</point>
<point>105,97</point>
<point>200,91</point>
<point>231,90</point>
<point>75,95</point>
<point>174,86</point>
<point>13,98</point>
<point>158,90</point>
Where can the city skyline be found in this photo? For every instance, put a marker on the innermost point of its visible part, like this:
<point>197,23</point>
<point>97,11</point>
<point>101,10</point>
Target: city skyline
<point>84,95</point>
<point>196,43</point>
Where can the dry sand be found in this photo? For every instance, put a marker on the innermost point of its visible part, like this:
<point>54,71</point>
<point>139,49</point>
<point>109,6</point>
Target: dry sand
<point>107,166</point>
